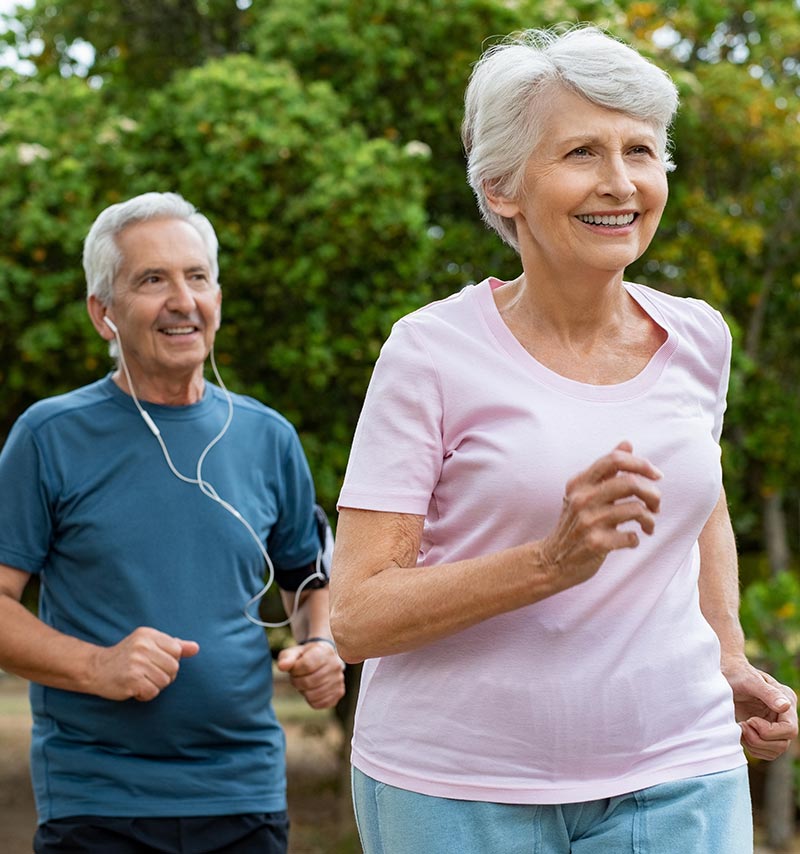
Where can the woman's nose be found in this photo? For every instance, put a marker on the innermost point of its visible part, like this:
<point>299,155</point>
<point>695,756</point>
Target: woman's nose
<point>615,179</point>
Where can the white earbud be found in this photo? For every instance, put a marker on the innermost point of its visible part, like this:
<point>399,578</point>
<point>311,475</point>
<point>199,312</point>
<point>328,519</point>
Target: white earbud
<point>145,415</point>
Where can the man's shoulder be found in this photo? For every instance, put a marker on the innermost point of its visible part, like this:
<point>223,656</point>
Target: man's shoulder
<point>263,416</point>
<point>59,405</point>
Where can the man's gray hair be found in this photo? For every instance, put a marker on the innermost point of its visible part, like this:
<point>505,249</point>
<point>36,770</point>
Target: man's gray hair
<point>502,119</point>
<point>102,258</point>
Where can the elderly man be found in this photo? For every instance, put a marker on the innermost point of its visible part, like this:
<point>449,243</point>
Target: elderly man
<point>149,504</point>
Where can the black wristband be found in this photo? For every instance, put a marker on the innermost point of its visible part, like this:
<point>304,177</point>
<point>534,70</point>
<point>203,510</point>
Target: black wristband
<point>319,640</point>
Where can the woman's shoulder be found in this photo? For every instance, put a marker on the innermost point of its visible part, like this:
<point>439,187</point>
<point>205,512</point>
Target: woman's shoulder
<point>444,308</point>
<point>452,317</point>
<point>691,317</point>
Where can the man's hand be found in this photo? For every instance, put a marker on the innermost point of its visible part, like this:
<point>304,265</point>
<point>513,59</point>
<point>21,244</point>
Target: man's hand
<point>765,710</point>
<point>316,671</point>
<point>140,666</point>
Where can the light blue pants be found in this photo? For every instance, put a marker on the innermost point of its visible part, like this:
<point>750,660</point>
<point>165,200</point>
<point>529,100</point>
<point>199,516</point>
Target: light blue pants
<point>701,815</point>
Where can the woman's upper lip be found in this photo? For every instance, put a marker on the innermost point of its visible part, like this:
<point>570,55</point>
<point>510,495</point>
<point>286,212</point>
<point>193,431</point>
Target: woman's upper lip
<point>608,213</point>
<point>627,217</point>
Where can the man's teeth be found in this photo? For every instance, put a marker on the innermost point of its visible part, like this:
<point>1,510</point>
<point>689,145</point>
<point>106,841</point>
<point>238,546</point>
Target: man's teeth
<point>178,330</point>
<point>593,219</point>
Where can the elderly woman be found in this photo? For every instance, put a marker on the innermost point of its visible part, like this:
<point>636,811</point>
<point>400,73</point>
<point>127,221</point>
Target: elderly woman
<point>534,553</point>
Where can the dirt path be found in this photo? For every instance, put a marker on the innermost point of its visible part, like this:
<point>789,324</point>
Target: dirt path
<point>319,811</point>
<point>17,814</point>
<point>319,804</point>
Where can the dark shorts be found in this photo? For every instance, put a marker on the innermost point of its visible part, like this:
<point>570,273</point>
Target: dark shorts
<point>256,833</point>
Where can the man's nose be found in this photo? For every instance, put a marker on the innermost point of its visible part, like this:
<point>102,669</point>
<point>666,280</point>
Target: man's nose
<point>181,296</point>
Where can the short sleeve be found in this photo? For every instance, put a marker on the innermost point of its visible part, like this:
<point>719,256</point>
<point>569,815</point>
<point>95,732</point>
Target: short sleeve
<point>397,452</point>
<point>725,373</point>
<point>293,542</point>
<point>25,518</point>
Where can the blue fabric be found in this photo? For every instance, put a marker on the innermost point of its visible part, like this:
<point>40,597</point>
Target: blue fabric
<point>87,501</point>
<point>698,815</point>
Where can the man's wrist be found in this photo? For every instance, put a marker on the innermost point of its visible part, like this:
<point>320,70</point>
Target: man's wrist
<point>319,639</point>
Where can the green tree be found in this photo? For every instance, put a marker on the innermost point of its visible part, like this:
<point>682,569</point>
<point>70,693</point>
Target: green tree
<point>135,44</point>
<point>731,231</point>
<point>322,138</point>
<point>402,68</point>
<point>323,235</point>
<point>60,161</point>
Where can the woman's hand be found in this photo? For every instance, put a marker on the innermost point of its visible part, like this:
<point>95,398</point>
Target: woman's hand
<point>616,489</point>
<point>766,710</point>
<point>384,603</point>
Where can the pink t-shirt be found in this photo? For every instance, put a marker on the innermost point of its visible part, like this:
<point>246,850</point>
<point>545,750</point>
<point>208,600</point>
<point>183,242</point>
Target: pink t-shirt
<point>606,688</point>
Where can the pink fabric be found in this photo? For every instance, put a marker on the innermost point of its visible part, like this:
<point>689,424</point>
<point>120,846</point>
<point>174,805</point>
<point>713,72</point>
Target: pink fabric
<point>605,688</point>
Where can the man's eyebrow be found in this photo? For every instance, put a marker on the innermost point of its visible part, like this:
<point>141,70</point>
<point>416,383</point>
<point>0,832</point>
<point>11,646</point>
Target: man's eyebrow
<point>162,271</point>
<point>148,271</point>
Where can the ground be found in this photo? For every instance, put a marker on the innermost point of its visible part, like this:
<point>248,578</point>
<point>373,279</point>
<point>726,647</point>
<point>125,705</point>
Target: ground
<point>320,810</point>
<point>319,803</point>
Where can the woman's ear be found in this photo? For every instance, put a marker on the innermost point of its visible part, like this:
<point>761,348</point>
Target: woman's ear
<point>499,203</point>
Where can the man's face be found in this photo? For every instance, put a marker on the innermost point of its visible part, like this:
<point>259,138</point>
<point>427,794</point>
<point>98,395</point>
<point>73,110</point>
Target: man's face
<point>166,305</point>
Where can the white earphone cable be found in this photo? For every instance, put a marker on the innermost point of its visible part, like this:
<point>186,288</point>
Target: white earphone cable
<point>208,490</point>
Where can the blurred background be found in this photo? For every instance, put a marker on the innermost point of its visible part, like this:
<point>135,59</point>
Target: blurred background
<point>321,138</point>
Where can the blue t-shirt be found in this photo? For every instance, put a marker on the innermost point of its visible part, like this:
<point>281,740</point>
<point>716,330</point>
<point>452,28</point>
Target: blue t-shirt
<point>87,502</point>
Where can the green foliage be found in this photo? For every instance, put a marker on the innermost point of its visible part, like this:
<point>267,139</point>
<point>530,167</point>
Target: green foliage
<point>322,139</point>
<point>322,231</point>
<point>401,67</point>
<point>771,619</point>
<point>59,157</point>
<point>136,44</point>
<point>731,229</point>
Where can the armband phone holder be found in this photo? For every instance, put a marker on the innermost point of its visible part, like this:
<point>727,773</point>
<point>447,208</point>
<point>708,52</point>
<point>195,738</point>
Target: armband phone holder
<point>325,534</point>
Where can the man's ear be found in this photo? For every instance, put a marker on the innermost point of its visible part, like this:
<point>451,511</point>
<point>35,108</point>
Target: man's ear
<point>218,310</point>
<point>499,203</point>
<point>97,311</point>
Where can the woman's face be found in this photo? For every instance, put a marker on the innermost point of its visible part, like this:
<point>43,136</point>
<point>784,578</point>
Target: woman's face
<point>594,188</point>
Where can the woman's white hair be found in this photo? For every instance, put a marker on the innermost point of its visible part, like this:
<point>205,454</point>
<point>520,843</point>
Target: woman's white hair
<point>102,257</point>
<point>502,122</point>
